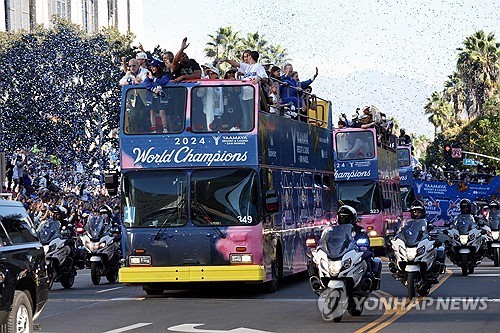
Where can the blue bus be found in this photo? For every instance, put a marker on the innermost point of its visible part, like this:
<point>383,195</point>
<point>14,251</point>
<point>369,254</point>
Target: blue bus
<point>406,179</point>
<point>211,194</point>
<point>367,178</point>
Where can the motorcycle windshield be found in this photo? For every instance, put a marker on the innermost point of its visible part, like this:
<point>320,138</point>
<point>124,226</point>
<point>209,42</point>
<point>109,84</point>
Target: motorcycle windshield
<point>49,231</point>
<point>96,227</point>
<point>414,231</point>
<point>494,219</point>
<point>338,240</point>
<point>464,223</point>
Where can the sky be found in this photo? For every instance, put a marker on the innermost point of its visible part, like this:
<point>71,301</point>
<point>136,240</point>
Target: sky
<point>389,53</point>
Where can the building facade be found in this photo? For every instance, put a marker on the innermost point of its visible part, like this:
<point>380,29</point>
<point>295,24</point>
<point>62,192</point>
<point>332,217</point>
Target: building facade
<point>91,15</point>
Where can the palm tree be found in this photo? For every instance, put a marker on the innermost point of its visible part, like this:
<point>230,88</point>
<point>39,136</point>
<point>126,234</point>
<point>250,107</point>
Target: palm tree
<point>479,67</point>
<point>440,112</point>
<point>278,55</point>
<point>454,92</point>
<point>225,43</point>
<point>255,42</point>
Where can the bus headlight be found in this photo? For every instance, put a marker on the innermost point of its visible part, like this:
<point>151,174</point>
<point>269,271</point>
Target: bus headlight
<point>372,233</point>
<point>139,260</point>
<point>240,258</point>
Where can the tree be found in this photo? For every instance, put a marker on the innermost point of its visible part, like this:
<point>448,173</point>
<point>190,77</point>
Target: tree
<point>59,85</point>
<point>479,67</point>
<point>453,92</point>
<point>440,112</point>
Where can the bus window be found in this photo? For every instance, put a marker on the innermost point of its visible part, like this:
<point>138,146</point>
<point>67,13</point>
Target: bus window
<point>225,197</point>
<point>404,157</point>
<point>329,191</point>
<point>154,199</point>
<point>364,196</point>
<point>222,109</point>
<point>287,198</point>
<point>305,198</point>
<point>355,145</point>
<point>318,197</point>
<point>147,113</point>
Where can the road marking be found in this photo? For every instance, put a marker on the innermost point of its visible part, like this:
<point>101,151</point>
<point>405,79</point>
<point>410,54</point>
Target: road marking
<point>191,328</point>
<point>388,312</point>
<point>485,274</point>
<point>128,328</point>
<point>392,314</point>
<point>128,299</point>
<point>106,290</point>
<point>402,311</point>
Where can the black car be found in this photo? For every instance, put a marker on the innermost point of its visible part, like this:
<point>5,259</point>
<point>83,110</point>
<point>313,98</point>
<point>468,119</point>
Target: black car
<point>24,287</point>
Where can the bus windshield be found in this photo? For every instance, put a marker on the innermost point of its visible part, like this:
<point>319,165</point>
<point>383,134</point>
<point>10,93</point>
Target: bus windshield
<point>154,199</point>
<point>404,157</point>
<point>355,145</point>
<point>224,197</point>
<point>222,108</point>
<point>407,196</point>
<point>362,196</point>
<point>147,112</point>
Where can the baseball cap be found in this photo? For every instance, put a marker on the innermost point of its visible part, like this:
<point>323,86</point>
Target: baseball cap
<point>141,55</point>
<point>265,62</point>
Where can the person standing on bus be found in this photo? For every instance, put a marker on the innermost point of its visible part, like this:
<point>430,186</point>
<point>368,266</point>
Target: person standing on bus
<point>157,101</point>
<point>256,73</point>
<point>183,67</point>
<point>135,74</point>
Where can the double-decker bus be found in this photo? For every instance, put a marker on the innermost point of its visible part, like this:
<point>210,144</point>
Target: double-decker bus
<point>406,179</point>
<point>367,178</point>
<point>225,192</point>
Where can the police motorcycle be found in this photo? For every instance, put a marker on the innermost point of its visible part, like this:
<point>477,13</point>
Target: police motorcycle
<point>493,234</point>
<point>342,274</point>
<point>417,258</point>
<point>59,249</point>
<point>102,242</point>
<point>466,246</point>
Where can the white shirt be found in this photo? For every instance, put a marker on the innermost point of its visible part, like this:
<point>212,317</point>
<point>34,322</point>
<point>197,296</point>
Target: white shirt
<point>252,71</point>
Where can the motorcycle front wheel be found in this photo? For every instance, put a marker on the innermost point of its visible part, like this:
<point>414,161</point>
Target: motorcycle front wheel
<point>496,257</point>
<point>50,276</point>
<point>410,284</point>
<point>464,264</point>
<point>112,275</point>
<point>67,281</point>
<point>95,273</point>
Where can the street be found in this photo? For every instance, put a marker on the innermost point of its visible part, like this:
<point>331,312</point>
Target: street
<point>458,303</point>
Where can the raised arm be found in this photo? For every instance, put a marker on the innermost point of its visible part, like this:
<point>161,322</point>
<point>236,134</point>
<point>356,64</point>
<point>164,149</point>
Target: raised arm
<point>177,58</point>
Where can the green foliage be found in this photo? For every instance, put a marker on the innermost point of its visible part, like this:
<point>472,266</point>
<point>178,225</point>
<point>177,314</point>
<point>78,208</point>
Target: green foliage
<point>226,43</point>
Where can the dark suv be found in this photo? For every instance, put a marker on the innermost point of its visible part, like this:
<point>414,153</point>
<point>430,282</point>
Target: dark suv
<point>24,287</point>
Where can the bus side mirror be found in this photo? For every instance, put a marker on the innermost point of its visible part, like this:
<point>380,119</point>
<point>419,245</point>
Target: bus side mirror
<point>271,201</point>
<point>111,182</point>
<point>387,203</point>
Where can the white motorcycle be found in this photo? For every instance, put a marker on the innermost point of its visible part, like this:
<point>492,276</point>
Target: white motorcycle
<point>102,242</point>
<point>493,237</point>
<point>341,274</point>
<point>59,250</point>
<point>467,245</point>
<point>416,258</point>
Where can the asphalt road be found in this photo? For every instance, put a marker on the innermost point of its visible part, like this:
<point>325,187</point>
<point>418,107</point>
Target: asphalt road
<point>115,308</point>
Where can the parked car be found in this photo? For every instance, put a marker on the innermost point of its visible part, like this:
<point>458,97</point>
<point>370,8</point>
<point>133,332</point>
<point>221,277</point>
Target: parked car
<point>24,287</point>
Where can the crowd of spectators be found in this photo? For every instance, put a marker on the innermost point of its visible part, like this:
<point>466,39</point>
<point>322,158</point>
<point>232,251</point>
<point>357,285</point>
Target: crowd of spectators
<point>483,174</point>
<point>286,94</point>
<point>46,186</point>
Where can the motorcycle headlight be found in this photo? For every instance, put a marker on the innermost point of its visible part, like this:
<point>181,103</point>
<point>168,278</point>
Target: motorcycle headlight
<point>472,237</point>
<point>102,245</point>
<point>334,267</point>
<point>421,250</point>
<point>464,239</point>
<point>495,235</point>
<point>46,249</point>
<point>411,253</point>
<point>346,264</point>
